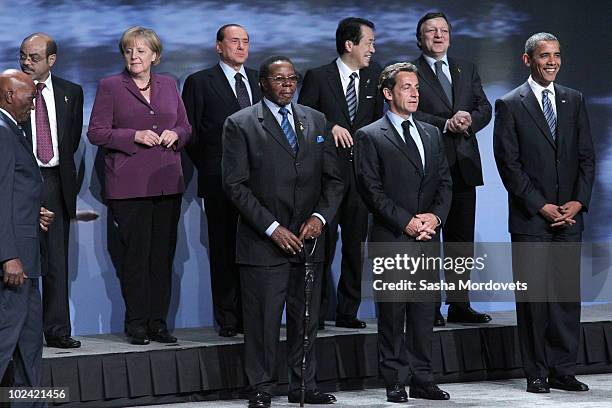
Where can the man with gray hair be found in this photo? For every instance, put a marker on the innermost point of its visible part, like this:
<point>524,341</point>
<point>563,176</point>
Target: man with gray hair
<point>404,179</point>
<point>544,154</point>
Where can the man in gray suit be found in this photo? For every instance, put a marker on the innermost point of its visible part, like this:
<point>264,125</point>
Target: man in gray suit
<point>20,218</point>
<point>281,172</point>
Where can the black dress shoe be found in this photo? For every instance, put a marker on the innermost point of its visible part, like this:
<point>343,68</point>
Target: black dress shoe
<point>465,314</point>
<point>396,393</point>
<point>439,320</point>
<point>311,397</point>
<point>228,331</point>
<point>567,383</point>
<point>350,322</point>
<point>64,342</point>
<point>428,391</point>
<point>139,337</point>
<point>162,336</point>
<point>260,399</point>
<point>538,385</point>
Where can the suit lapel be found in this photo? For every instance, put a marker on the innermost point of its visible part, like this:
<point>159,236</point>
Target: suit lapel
<point>333,78</point>
<point>130,85</point>
<point>254,83</point>
<point>302,128</point>
<point>411,153</point>
<point>426,140</point>
<point>535,111</point>
<point>563,113</point>
<point>456,76</point>
<point>223,89</point>
<point>426,73</point>
<point>61,105</point>
<point>24,140</point>
<point>365,83</point>
<point>270,125</point>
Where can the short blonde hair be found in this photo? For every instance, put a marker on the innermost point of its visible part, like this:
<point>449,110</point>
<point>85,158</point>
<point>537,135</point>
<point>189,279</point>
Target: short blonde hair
<point>148,35</point>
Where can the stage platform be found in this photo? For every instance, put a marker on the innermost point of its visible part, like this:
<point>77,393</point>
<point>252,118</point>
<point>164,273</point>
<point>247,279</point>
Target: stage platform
<point>108,372</point>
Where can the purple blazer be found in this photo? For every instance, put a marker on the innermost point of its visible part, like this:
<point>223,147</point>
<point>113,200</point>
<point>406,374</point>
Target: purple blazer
<point>134,170</point>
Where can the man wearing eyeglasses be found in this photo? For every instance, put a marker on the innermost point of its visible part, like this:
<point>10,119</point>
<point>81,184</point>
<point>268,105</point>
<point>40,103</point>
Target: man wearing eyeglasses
<point>345,91</point>
<point>54,128</point>
<point>280,170</point>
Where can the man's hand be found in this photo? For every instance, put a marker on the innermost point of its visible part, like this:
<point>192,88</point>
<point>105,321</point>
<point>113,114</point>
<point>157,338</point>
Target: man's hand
<point>429,222</point>
<point>286,240</point>
<point>311,228</point>
<point>460,122</point>
<point>568,212</point>
<point>342,137</point>
<point>46,218</point>
<point>147,138</point>
<point>168,138</point>
<point>412,229</point>
<point>13,272</point>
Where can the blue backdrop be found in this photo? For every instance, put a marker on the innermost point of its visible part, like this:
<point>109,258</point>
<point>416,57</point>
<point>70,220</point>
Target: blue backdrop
<point>491,34</point>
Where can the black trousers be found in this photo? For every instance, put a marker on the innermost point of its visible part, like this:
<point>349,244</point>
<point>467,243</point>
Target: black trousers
<point>352,217</point>
<point>54,247</point>
<point>222,219</point>
<point>148,231</point>
<point>405,357</point>
<point>549,332</point>
<point>459,228</point>
<point>265,290</point>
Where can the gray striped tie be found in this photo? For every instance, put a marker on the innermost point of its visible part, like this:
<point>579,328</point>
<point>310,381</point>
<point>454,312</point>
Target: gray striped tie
<point>351,97</point>
<point>549,113</point>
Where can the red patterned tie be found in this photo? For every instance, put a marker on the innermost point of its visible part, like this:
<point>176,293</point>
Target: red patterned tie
<point>44,144</point>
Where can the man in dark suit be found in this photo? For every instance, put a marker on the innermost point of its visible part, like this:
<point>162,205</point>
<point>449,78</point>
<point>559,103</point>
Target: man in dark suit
<point>345,91</point>
<point>210,96</point>
<point>405,181</point>
<point>55,130</point>
<point>20,216</point>
<point>281,172</point>
<point>544,154</point>
<point>452,99</point>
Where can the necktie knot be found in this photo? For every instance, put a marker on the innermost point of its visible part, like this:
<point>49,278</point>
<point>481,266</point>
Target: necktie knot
<point>283,111</point>
<point>439,64</point>
<point>354,76</point>
<point>406,125</point>
<point>238,76</point>
<point>40,86</point>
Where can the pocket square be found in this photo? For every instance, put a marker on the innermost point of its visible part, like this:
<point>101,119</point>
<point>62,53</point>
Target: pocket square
<point>320,139</point>
<point>369,96</point>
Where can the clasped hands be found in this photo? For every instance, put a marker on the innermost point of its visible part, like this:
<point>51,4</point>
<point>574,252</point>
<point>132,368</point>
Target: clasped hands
<point>288,242</point>
<point>561,215</point>
<point>168,138</point>
<point>460,122</point>
<point>422,226</point>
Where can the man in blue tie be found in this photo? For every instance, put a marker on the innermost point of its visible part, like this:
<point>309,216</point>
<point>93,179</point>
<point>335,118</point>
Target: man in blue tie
<point>544,154</point>
<point>280,170</point>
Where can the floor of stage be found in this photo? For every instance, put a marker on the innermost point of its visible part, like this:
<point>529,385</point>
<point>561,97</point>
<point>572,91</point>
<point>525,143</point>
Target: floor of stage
<point>490,394</point>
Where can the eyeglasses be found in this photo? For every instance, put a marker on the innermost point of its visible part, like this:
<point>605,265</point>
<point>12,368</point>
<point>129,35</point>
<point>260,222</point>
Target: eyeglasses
<point>279,79</point>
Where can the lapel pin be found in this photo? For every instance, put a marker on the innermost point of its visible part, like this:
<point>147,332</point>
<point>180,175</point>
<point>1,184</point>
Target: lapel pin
<point>301,126</point>
<point>458,70</point>
<point>562,100</point>
<point>368,81</point>
<point>65,99</point>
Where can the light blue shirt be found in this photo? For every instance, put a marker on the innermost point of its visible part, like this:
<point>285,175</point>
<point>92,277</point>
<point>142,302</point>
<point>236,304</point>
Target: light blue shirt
<point>445,66</point>
<point>397,121</point>
<point>230,74</point>
<point>274,108</point>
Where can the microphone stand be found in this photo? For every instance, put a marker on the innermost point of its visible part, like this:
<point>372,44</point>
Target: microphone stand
<point>309,268</point>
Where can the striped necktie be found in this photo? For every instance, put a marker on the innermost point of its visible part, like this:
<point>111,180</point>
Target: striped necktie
<point>242,94</point>
<point>351,97</point>
<point>288,130</point>
<point>549,113</point>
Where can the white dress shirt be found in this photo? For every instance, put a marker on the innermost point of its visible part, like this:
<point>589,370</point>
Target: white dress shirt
<point>397,121</point>
<point>230,74</point>
<point>345,77</point>
<point>537,90</point>
<point>49,97</point>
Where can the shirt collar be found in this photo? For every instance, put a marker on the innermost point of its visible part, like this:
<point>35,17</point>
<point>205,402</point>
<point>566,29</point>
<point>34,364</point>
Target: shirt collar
<point>48,82</point>
<point>274,107</point>
<point>345,71</point>
<point>8,115</point>
<point>431,61</point>
<point>537,88</point>
<point>397,120</point>
<point>231,72</point>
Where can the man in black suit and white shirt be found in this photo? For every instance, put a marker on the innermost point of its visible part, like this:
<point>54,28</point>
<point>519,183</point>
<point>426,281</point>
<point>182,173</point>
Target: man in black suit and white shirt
<point>545,157</point>
<point>281,172</point>
<point>55,128</point>
<point>452,99</point>
<point>210,96</point>
<point>404,180</point>
<point>345,91</point>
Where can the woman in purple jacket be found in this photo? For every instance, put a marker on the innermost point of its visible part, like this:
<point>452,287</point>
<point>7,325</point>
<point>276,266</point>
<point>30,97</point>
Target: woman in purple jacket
<point>139,118</point>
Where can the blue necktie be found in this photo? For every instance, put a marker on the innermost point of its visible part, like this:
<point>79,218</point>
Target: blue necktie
<point>351,97</point>
<point>549,113</point>
<point>288,130</point>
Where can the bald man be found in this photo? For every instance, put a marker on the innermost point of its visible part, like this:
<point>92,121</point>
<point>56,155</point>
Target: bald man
<point>54,129</point>
<point>21,216</point>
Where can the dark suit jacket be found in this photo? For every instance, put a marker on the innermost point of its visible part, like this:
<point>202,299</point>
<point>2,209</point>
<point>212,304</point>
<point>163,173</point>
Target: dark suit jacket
<point>267,182</point>
<point>535,168</point>
<point>69,113</point>
<point>21,186</point>
<point>392,181</point>
<point>209,100</point>
<point>132,169</point>
<point>461,149</point>
<point>322,90</point>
